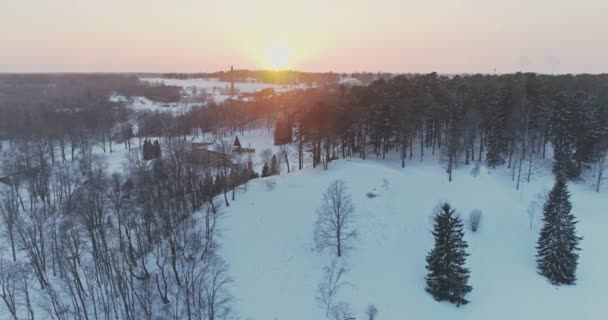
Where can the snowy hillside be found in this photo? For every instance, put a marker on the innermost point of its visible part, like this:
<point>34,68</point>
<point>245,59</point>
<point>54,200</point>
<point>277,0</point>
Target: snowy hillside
<point>267,238</point>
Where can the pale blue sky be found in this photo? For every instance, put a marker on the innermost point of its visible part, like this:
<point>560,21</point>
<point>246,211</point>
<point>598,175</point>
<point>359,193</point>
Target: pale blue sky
<point>549,36</point>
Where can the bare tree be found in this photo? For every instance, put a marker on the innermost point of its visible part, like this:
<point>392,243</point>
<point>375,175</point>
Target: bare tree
<point>329,285</point>
<point>215,284</point>
<point>474,219</point>
<point>285,150</point>
<point>9,212</point>
<point>601,167</point>
<point>335,225</point>
<point>266,155</point>
<point>8,287</point>
<point>342,311</point>
<point>371,312</point>
<point>224,164</point>
<point>536,206</point>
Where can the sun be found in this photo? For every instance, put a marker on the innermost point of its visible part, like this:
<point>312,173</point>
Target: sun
<point>277,56</point>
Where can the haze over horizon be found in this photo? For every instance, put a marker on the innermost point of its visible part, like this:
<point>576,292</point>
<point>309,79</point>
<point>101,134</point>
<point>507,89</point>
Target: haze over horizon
<point>466,36</point>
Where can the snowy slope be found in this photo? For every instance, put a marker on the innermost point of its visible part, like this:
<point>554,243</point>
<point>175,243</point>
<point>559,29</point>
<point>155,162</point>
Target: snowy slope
<point>267,239</point>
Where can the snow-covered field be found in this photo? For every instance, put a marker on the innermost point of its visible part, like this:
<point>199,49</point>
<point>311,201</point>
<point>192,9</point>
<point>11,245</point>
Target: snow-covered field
<point>196,93</point>
<point>145,104</point>
<point>267,237</point>
<point>218,90</point>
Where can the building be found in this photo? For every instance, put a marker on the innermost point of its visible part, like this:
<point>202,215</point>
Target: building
<point>203,156</point>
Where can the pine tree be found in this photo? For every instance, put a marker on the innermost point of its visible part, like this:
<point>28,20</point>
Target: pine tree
<point>497,140</point>
<point>558,243</point>
<point>447,277</point>
<point>265,170</point>
<point>562,133</point>
<point>283,132</point>
<point>274,166</point>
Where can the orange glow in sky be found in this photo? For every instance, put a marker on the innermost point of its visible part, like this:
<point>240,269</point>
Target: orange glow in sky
<point>550,36</point>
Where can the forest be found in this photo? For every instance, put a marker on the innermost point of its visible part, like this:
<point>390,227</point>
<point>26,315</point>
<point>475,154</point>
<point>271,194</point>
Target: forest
<point>88,243</point>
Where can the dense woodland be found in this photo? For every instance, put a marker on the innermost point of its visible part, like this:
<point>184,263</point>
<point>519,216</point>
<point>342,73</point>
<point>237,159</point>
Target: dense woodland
<point>280,77</point>
<point>85,243</point>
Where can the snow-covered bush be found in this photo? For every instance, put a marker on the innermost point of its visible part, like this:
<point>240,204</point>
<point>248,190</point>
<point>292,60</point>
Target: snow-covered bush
<point>475,219</point>
<point>371,195</point>
<point>476,169</point>
<point>371,312</point>
<point>386,184</point>
<point>342,311</point>
<point>270,184</point>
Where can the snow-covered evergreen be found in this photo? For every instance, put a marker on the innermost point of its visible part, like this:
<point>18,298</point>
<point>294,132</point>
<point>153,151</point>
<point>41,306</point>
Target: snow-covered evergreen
<point>558,243</point>
<point>447,278</point>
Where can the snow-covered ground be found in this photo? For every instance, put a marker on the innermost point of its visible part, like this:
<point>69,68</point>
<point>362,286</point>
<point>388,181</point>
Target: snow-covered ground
<point>197,93</point>
<point>145,104</point>
<point>219,90</point>
<point>268,240</point>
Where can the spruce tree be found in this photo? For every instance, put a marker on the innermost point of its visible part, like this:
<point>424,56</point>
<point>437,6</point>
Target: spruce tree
<point>558,244</point>
<point>274,166</point>
<point>496,138</point>
<point>447,276</point>
<point>265,170</point>
<point>562,132</point>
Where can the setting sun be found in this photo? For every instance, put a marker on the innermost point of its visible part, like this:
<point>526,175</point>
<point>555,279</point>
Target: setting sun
<point>277,56</point>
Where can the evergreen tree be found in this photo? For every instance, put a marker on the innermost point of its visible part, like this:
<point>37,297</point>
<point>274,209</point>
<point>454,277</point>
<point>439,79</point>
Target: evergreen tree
<point>283,132</point>
<point>453,146</point>
<point>497,140</point>
<point>274,166</point>
<point>447,276</point>
<point>563,136</point>
<point>558,243</point>
<point>265,170</point>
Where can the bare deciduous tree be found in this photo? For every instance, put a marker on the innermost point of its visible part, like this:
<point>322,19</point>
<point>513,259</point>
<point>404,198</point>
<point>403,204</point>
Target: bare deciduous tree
<point>285,151</point>
<point>8,287</point>
<point>328,286</point>
<point>601,167</point>
<point>536,206</point>
<point>371,312</point>
<point>475,219</point>
<point>266,155</point>
<point>335,225</point>
<point>342,311</point>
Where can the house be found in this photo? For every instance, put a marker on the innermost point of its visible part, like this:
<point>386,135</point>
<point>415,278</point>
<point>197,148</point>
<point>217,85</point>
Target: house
<point>237,148</point>
<point>203,156</point>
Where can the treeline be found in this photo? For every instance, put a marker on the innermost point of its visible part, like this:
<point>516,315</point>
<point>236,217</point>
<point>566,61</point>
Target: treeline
<point>511,120</point>
<point>43,105</point>
<point>281,77</point>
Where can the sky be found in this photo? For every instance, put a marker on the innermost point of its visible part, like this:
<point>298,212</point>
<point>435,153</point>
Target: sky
<point>447,36</point>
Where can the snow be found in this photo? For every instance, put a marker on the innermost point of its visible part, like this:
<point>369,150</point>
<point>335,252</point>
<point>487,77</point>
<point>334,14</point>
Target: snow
<point>267,239</point>
<point>145,104</point>
<point>350,81</point>
<point>196,93</point>
<point>219,90</point>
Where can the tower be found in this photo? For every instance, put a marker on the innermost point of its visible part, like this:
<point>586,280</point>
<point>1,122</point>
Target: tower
<point>231,81</point>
